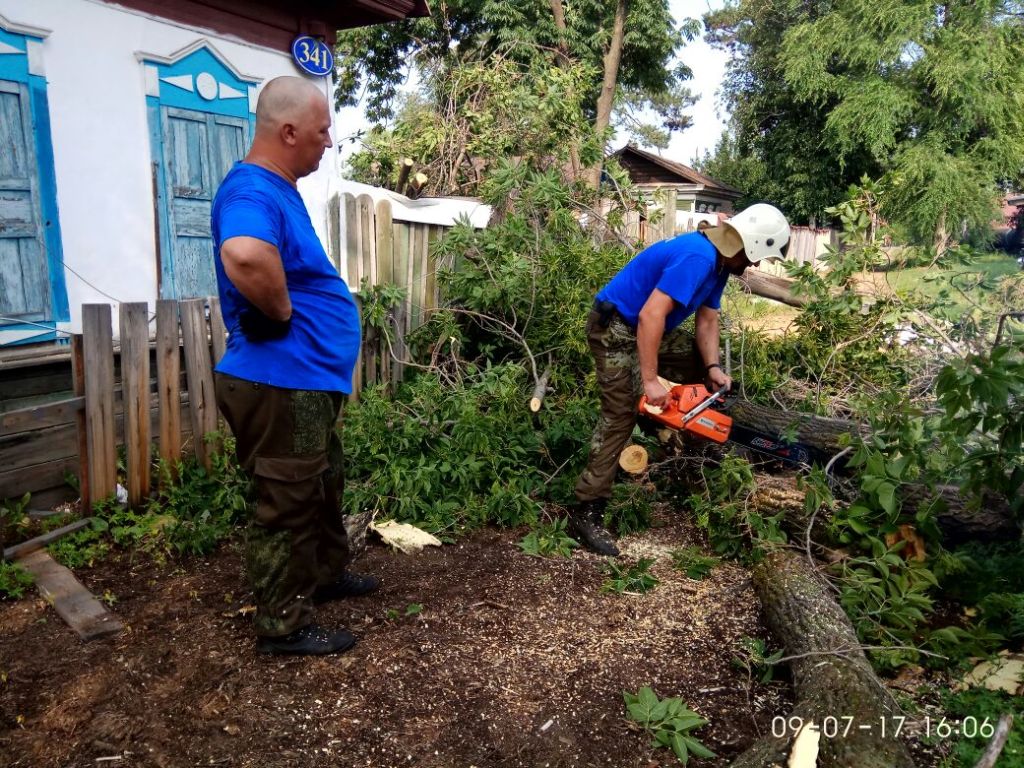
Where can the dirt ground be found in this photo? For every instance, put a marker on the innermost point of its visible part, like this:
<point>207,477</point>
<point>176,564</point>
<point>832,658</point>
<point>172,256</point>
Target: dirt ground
<point>512,661</point>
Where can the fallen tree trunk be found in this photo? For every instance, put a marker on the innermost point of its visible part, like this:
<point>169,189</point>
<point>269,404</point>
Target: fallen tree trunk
<point>771,287</point>
<point>835,685</point>
<point>818,432</point>
<point>958,520</point>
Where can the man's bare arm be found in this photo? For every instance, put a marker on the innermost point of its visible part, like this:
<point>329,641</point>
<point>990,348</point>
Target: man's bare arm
<point>254,267</point>
<point>649,330</point>
<point>706,321</point>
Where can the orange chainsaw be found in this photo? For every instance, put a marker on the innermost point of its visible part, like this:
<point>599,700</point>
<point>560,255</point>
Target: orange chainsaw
<point>691,408</point>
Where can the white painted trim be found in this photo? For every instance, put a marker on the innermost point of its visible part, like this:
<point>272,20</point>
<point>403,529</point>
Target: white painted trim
<point>152,80</point>
<point>202,42</point>
<point>23,29</point>
<point>252,99</point>
<point>36,63</point>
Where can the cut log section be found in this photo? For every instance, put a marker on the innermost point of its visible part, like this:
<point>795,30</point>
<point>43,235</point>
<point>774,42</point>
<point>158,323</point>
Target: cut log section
<point>537,398</point>
<point>415,185</point>
<point>633,459</point>
<point>832,678</point>
<point>403,174</point>
<point>817,432</point>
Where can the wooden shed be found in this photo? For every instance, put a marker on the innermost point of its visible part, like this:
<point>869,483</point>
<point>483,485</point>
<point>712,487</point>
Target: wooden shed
<point>695,192</point>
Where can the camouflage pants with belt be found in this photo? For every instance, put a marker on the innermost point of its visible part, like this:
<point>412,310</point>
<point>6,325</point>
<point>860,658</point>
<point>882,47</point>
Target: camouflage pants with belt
<point>618,375</point>
<point>287,440</point>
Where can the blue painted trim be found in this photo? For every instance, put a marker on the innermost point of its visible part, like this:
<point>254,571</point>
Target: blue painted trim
<point>12,66</point>
<point>156,154</point>
<point>196,63</point>
<point>40,106</point>
<point>43,335</point>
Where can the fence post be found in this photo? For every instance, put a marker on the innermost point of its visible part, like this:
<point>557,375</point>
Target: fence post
<point>354,266</point>
<point>78,383</point>
<point>98,354</point>
<point>135,397</point>
<point>168,381</point>
<point>201,399</point>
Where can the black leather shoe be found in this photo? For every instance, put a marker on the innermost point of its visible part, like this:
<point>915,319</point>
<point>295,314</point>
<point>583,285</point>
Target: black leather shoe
<point>346,585</point>
<point>311,640</point>
<point>585,522</point>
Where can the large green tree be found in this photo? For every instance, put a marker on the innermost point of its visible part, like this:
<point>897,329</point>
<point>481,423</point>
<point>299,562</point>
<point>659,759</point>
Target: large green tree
<point>927,97</point>
<point>628,46</point>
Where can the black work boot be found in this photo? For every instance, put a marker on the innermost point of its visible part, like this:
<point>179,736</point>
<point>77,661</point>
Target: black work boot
<point>586,521</point>
<point>347,585</point>
<point>311,640</point>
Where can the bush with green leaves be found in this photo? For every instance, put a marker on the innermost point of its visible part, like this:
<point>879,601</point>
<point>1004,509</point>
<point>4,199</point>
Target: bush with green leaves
<point>454,457</point>
<point>14,580</point>
<point>752,657</point>
<point>629,579</point>
<point>734,528</point>
<point>549,539</point>
<point>693,562</point>
<point>669,721</point>
<point>190,513</point>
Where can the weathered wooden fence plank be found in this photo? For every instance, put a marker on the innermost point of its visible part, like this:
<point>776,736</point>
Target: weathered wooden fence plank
<point>81,428</point>
<point>72,601</point>
<point>202,401</point>
<point>218,333</point>
<point>135,391</point>
<point>367,239</point>
<point>417,259</point>
<point>168,380</point>
<point>353,251</point>
<point>98,353</point>
<point>334,225</point>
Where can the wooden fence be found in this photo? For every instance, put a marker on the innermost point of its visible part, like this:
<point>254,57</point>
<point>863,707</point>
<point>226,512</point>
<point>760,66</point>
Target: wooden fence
<point>145,390</point>
<point>371,248</point>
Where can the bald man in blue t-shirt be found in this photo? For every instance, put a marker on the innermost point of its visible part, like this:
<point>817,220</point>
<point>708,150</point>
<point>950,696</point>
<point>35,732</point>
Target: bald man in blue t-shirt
<point>634,333</point>
<point>294,338</point>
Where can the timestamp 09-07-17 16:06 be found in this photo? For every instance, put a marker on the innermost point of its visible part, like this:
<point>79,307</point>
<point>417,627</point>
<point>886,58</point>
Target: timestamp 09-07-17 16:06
<point>841,726</point>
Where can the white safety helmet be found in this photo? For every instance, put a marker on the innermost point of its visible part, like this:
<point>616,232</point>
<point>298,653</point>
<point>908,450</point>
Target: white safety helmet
<point>764,230</point>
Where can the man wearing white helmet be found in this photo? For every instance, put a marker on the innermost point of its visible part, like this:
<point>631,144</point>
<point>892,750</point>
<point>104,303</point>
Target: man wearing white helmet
<point>635,334</point>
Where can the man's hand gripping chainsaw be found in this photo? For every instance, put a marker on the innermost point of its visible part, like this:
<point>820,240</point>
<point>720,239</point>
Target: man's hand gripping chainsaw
<point>689,408</point>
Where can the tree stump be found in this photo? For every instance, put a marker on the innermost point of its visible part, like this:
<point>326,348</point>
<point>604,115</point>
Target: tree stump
<point>832,678</point>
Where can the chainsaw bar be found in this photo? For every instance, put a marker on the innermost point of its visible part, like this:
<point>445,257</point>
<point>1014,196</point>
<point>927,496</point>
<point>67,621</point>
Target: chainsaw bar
<point>789,453</point>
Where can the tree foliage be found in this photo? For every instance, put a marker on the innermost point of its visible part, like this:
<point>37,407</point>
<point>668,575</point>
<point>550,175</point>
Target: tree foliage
<point>925,96</point>
<point>374,61</point>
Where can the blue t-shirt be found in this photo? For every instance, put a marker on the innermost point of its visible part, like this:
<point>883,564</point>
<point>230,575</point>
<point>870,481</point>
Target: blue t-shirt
<point>683,267</point>
<point>320,349</point>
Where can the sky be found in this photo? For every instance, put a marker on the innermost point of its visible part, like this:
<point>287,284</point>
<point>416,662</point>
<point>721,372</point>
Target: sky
<point>708,67</point>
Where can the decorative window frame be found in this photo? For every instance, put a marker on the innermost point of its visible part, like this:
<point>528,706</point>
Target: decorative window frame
<point>22,60</point>
<point>197,77</point>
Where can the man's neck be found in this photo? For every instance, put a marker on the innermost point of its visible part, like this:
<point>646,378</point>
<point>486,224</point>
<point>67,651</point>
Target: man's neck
<point>268,163</point>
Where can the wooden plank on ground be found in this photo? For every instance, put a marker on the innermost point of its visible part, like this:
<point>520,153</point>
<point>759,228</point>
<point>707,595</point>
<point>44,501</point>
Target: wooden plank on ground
<point>218,333</point>
<point>168,380</point>
<point>202,401</point>
<point>135,393</point>
<point>98,355</point>
<point>38,542</point>
<point>73,602</point>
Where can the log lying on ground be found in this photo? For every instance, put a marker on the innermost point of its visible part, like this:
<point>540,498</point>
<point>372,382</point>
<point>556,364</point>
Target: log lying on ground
<point>830,686</point>
<point>818,432</point>
<point>958,522</point>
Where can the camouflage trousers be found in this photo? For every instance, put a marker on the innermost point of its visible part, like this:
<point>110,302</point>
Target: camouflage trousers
<point>618,375</point>
<point>287,441</point>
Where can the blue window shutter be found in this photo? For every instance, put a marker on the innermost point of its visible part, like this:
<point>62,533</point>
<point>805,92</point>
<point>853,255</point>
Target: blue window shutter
<point>24,276</point>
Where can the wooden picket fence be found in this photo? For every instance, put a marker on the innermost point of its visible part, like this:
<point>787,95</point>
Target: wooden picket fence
<point>372,248</point>
<point>147,390</point>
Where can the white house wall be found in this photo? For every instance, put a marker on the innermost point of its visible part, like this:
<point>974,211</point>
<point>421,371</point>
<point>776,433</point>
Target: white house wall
<point>97,102</point>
